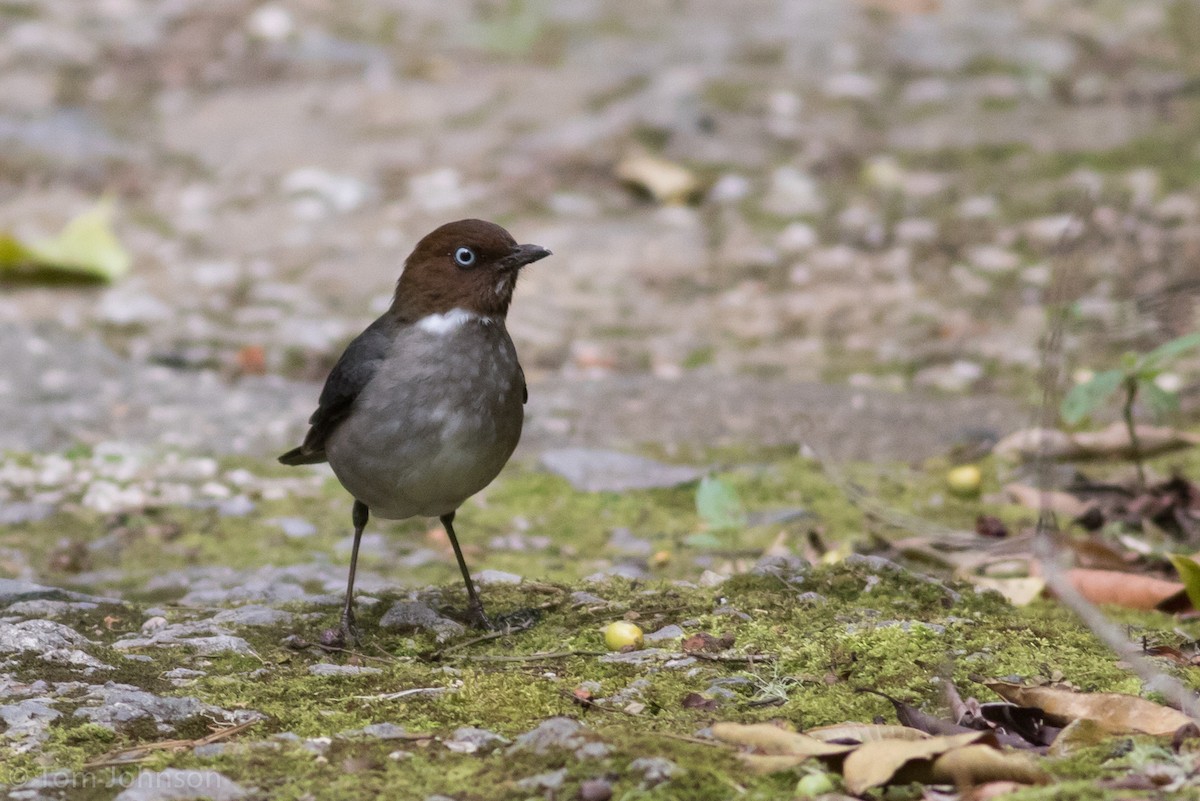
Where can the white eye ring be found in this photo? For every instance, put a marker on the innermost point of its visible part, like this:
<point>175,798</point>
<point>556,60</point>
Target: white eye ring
<point>465,257</point>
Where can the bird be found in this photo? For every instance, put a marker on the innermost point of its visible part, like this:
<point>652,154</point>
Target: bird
<point>426,405</point>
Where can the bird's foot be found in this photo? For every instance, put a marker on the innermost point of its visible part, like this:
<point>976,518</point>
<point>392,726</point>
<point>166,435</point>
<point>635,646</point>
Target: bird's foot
<point>343,637</point>
<point>478,618</point>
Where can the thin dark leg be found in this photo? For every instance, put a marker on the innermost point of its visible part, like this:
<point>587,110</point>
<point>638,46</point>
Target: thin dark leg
<point>348,627</point>
<point>474,605</point>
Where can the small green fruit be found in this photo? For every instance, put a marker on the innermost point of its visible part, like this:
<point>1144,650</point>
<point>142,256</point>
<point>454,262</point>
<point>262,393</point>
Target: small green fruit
<point>622,634</point>
<point>964,481</point>
<point>814,784</point>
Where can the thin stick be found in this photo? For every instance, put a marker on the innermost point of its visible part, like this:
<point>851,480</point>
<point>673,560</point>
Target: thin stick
<point>115,757</point>
<point>529,658</point>
<point>398,695</point>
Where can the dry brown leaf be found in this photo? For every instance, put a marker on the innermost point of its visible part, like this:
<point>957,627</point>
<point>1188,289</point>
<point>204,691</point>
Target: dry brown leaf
<point>773,740</point>
<point>1033,498</point>
<point>1108,443</point>
<point>1116,712</point>
<point>1127,590</point>
<point>876,763</point>
<point>1018,591</point>
<point>865,732</point>
<point>979,764</point>
<point>663,180</point>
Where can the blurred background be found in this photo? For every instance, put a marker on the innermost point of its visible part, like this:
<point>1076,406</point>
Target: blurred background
<point>773,220</point>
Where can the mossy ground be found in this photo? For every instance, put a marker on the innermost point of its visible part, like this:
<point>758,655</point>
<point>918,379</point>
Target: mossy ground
<point>807,656</point>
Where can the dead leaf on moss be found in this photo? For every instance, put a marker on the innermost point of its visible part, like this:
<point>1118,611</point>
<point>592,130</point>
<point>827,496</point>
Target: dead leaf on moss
<point>1127,590</point>
<point>1018,591</point>
<point>881,762</point>
<point>856,733</point>
<point>772,740</point>
<point>1116,712</point>
<point>980,764</point>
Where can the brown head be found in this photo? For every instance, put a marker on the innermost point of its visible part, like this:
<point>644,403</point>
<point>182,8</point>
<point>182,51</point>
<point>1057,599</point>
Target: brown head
<point>468,264</point>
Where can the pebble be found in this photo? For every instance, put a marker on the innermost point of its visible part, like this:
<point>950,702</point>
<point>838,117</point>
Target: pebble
<point>38,636</point>
<point>406,616</point>
<point>327,669</point>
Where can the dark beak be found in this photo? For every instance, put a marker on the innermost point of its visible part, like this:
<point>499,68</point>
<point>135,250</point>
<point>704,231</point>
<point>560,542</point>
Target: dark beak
<point>523,254</point>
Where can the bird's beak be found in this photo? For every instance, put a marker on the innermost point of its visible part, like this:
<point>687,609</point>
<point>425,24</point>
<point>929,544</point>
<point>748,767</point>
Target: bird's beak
<point>523,254</point>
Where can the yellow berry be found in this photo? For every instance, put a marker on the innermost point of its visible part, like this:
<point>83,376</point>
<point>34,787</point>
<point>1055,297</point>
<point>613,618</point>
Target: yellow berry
<point>964,481</point>
<point>622,634</point>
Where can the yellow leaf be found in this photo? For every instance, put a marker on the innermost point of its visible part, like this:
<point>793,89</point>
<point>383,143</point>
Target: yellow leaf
<point>86,248</point>
<point>1189,574</point>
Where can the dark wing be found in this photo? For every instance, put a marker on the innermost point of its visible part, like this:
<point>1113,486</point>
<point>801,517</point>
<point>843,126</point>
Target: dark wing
<point>353,371</point>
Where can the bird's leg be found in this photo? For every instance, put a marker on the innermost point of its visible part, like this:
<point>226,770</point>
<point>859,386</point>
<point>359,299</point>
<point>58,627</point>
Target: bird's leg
<point>349,629</point>
<point>475,612</point>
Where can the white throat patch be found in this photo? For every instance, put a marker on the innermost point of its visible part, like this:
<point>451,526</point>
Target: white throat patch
<point>441,324</point>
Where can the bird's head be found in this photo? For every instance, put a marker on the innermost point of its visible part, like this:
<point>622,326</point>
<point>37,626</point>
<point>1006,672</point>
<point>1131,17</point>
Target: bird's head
<point>469,264</point>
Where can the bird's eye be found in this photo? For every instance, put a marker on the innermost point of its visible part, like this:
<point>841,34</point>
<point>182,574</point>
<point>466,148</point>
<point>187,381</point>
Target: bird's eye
<point>465,257</point>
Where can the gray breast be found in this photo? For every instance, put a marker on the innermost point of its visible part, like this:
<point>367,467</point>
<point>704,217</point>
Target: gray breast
<point>436,423</point>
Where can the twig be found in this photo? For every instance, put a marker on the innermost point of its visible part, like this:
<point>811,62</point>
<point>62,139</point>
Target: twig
<point>142,752</point>
<point>528,658</point>
<point>401,694</point>
<point>751,659</point>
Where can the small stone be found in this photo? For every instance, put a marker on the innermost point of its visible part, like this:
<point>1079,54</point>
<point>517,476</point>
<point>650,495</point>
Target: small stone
<point>470,740</point>
<point>711,578</point>
<point>671,632</point>
<point>405,616</point>
<point>384,731</point>
<point>554,733</point>
<point>38,636</point>
<point>253,615</point>
<point>793,193</point>
<point>551,780</point>
<point>654,770</point>
<point>28,719</point>
<point>595,790</point>
<point>327,669</point>
<point>583,598</point>
<point>179,785</point>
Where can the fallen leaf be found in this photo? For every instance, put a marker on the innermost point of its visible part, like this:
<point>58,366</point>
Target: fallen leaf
<point>773,740</point>
<point>86,249</point>
<point>980,764</point>
<point>662,180</point>
<point>1018,591</point>
<point>1127,590</point>
<point>865,733</point>
<point>1116,712</point>
<point>1109,443</point>
<point>1189,573</point>
<point>1033,498</point>
<point>698,701</point>
<point>877,763</point>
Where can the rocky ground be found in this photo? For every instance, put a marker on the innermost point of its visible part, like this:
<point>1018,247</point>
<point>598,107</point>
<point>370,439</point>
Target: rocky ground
<point>870,207</point>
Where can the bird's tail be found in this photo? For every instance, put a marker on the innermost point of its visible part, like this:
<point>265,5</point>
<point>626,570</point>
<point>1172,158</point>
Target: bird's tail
<point>297,456</point>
